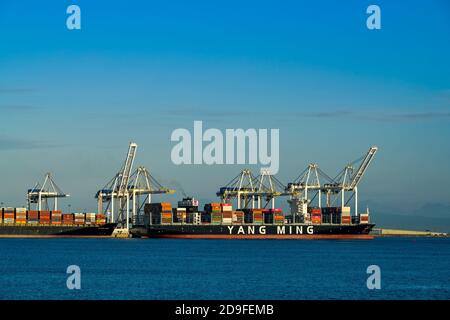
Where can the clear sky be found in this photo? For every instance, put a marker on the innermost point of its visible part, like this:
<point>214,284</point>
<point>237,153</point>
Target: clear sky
<point>70,101</point>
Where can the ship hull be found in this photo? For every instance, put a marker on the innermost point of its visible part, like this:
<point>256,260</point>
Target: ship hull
<point>286,232</point>
<point>41,231</point>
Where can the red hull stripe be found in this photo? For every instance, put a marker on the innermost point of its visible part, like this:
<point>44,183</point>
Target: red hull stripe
<point>267,236</point>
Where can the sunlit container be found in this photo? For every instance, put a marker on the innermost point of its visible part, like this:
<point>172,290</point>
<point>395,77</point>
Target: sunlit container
<point>238,217</point>
<point>226,207</point>
<point>68,218</point>
<point>364,218</point>
<point>79,218</point>
<point>346,219</point>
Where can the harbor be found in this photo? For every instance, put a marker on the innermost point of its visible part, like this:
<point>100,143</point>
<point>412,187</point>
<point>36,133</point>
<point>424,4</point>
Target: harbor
<point>247,208</point>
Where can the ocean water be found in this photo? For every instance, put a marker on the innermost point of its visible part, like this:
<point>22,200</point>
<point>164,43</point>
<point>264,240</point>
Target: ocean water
<point>411,268</point>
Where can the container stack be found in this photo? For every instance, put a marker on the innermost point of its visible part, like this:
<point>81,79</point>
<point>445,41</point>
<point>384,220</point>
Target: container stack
<point>100,218</point>
<point>8,215</point>
<point>68,218</point>
<point>364,218</point>
<point>278,216</point>
<point>326,215</point>
<point>268,216</point>
<point>257,216</point>
<point>190,204</point>
<point>238,217</point>
<point>316,215</point>
<point>336,215</point>
<point>21,215</point>
<point>33,217</point>
<point>1,215</point>
<point>248,215</point>
<point>44,217</point>
<point>159,212</point>
<point>206,217</point>
<point>56,217</point>
<point>79,218</point>
<point>216,212</point>
<point>90,218</point>
<point>346,218</point>
<point>166,213</point>
<point>227,213</point>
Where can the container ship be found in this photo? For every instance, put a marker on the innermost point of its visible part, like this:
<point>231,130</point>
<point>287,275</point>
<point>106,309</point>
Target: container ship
<point>255,216</point>
<point>20,222</point>
<point>220,221</point>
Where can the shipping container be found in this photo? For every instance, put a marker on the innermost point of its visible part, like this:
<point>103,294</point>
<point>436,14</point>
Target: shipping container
<point>346,219</point>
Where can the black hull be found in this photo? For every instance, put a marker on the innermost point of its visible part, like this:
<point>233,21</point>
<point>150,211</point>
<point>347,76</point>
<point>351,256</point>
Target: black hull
<point>49,230</point>
<point>291,231</point>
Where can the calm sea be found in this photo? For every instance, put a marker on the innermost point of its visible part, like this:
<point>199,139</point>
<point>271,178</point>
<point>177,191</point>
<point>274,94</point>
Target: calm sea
<point>411,268</point>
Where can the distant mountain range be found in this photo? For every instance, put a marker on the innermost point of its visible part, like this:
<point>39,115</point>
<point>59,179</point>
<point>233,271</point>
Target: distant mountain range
<point>432,216</point>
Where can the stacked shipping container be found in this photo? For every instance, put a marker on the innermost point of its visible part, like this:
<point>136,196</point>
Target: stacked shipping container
<point>364,218</point>
<point>345,216</point>
<point>257,216</point>
<point>160,213</point>
<point>56,217</point>
<point>166,213</point>
<point>316,215</point>
<point>79,218</point>
<point>273,216</point>
<point>89,218</point>
<point>44,217</point>
<point>227,213</point>
<point>100,218</point>
<point>68,218</point>
<point>21,215</point>
<point>33,217</point>
<point>216,212</point>
<point>8,215</point>
<point>238,217</point>
<point>278,216</point>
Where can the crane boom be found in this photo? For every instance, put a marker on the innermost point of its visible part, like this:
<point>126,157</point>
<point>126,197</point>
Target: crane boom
<point>125,173</point>
<point>362,168</point>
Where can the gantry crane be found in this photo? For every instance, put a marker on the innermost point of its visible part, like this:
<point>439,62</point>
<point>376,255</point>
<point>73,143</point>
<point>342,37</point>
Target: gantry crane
<point>307,183</point>
<point>268,188</point>
<point>348,179</point>
<point>242,187</point>
<point>117,190</point>
<point>248,189</point>
<point>310,180</point>
<point>40,195</point>
<point>305,189</point>
<point>142,183</point>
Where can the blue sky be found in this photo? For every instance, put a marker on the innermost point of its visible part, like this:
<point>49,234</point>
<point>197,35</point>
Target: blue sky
<point>71,101</point>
